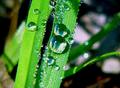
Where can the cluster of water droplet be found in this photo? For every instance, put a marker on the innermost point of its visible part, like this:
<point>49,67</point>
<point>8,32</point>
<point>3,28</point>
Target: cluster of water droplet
<point>32,26</point>
<point>59,42</point>
<point>51,62</point>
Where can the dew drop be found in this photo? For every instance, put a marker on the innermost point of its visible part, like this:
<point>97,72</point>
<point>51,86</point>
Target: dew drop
<point>66,67</point>
<point>44,22</point>
<point>46,48</point>
<point>71,40</point>
<point>34,75</point>
<point>61,78</point>
<point>50,61</point>
<point>58,44</point>
<point>57,67</point>
<point>37,66</point>
<point>32,26</point>
<point>36,11</point>
<point>52,3</point>
<point>61,30</point>
<point>66,7</point>
<point>44,55</point>
<point>37,51</point>
<point>86,55</point>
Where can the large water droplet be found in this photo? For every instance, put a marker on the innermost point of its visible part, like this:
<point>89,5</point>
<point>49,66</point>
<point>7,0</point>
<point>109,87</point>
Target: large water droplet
<point>50,61</point>
<point>32,26</point>
<point>61,30</point>
<point>58,44</point>
<point>36,11</point>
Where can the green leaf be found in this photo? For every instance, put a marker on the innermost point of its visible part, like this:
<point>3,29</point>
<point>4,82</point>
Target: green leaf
<point>75,69</point>
<point>50,76</point>
<point>82,48</point>
<point>31,44</point>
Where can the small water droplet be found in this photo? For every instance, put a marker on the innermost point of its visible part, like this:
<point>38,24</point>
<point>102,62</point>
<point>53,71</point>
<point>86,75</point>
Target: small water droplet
<point>36,11</point>
<point>66,7</point>
<point>61,78</point>
<point>66,67</point>
<point>52,3</point>
<point>46,48</point>
<point>34,75</point>
<point>32,26</point>
<point>57,67</point>
<point>44,22</point>
<point>86,55</point>
<point>61,30</point>
<point>37,51</point>
<point>71,40</point>
<point>58,44</point>
<point>37,66</point>
<point>50,61</point>
<point>44,55</point>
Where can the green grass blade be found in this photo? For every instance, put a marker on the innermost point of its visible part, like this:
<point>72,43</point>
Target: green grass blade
<point>31,44</point>
<point>88,44</point>
<point>12,47</point>
<point>51,76</point>
<point>89,62</point>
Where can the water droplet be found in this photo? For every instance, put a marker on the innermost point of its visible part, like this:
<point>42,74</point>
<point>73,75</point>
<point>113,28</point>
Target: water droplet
<point>58,44</point>
<point>34,75</point>
<point>44,22</point>
<point>37,51</point>
<point>66,7</point>
<point>32,26</point>
<point>61,78</point>
<point>37,66</point>
<point>46,48</point>
<point>71,40</point>
<point>52,3</point>
<point>50,61</point>
<point>61,30</point>
<point>86,55</point>
<point>44,55</point>
<point>57,67</point>
<point>36,11</point>
<point>66,67</point>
